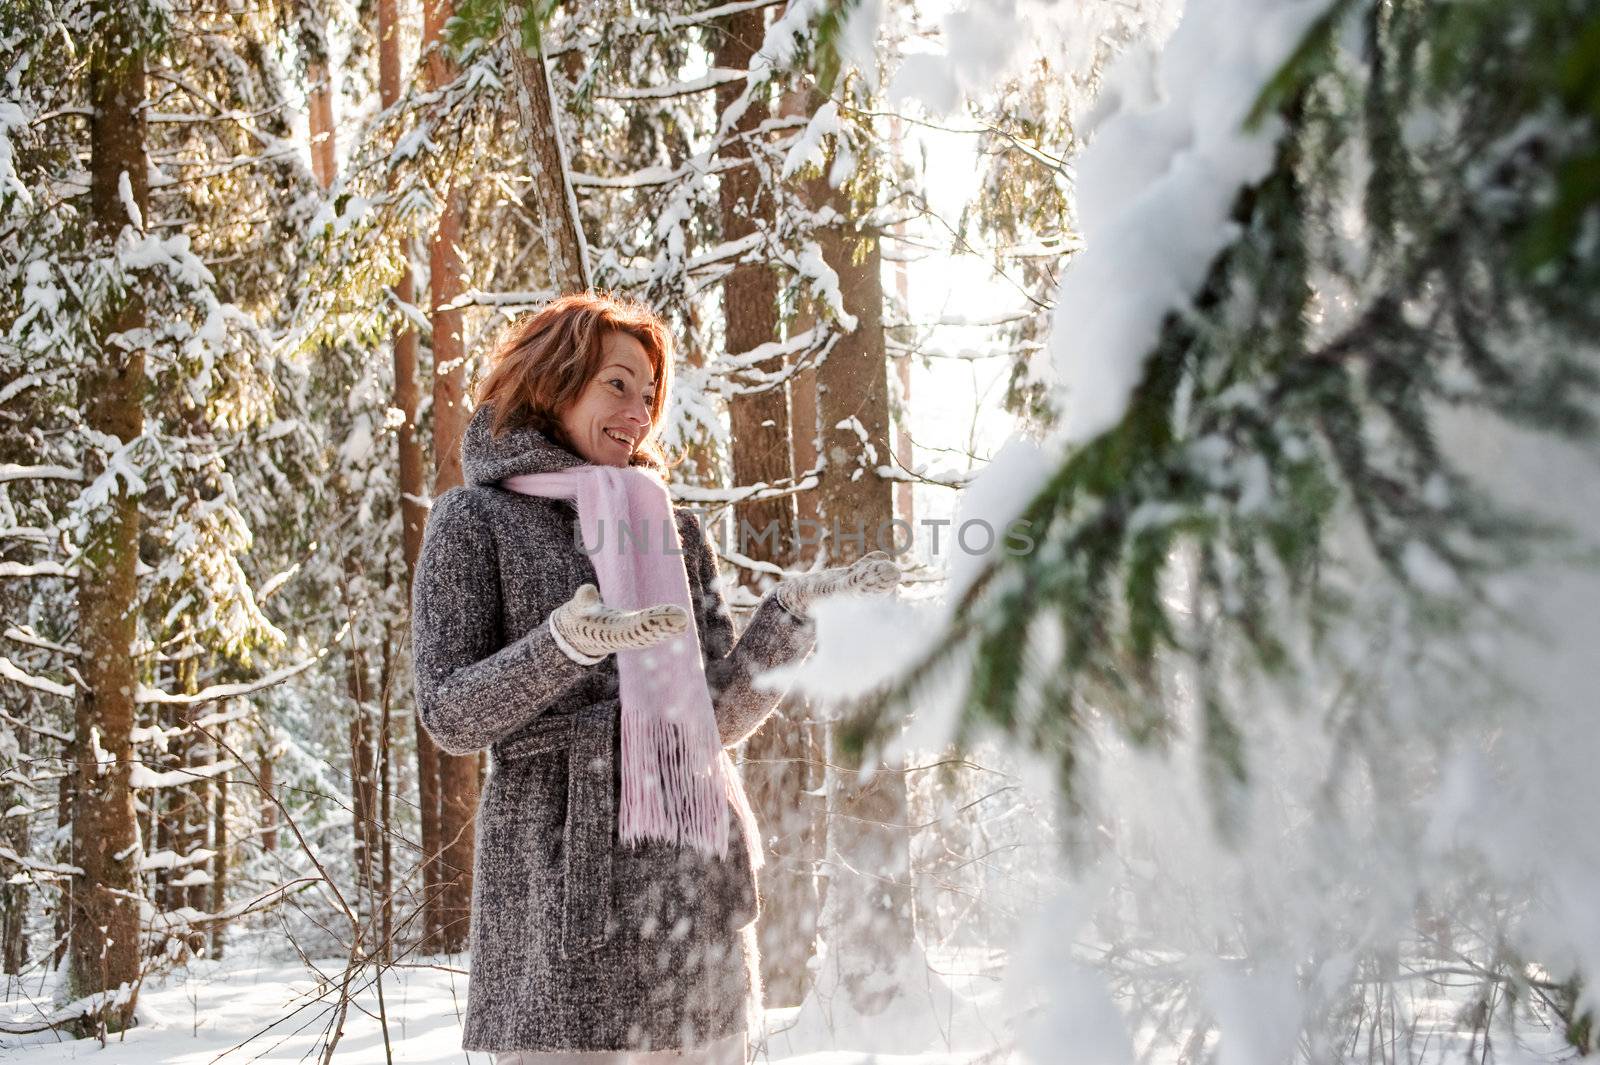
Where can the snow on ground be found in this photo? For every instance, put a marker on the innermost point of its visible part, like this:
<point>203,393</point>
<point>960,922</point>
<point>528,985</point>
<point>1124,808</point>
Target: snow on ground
<point>248,1008</point>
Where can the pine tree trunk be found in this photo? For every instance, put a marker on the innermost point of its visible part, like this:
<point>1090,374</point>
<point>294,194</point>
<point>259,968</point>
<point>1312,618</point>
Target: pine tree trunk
<point>266,773</point>
<point>803,385</point>
<point>66,802</point>
<point>164,814</point>
<point>313,42</point>
<point>804,436</point>
<point>362,786</point>
<point>319,116</point>
<point>363,791</point>
<point>760,420</point>
<point>853,386</point>
<point>16,833</point>
<point>904,508</point>
<point>413,477</point>
<point>413,489</point>
<point>104,948</point>
<point>219,845</point>
<point>870,909</point>
<point>554,202</point>
<point>702,462</point>
<point>457,776</point>
<point>774,759</point>
<point>196,796</point>
<point>385,802</point>
<point>428,804</point>
<point>450,413</point>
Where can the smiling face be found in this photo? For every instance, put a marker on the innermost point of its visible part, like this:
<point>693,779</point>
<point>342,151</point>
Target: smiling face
<point>607,421</point>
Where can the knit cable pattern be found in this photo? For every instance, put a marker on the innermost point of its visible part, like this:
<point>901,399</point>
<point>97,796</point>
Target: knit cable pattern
<point>588,630</point>
<point>872,574</point>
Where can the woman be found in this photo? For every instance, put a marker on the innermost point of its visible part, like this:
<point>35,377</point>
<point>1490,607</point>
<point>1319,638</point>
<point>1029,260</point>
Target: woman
<point>614,889</point>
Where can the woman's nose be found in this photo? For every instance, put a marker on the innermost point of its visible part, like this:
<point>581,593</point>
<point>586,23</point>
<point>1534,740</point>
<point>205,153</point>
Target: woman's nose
<point>639,413</point>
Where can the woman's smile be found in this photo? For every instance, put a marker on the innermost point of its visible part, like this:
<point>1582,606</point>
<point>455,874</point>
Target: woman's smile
<point>606,422</point>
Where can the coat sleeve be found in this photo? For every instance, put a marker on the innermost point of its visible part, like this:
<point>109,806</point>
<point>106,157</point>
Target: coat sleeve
<point>773,637</point>
<point>472,687</point>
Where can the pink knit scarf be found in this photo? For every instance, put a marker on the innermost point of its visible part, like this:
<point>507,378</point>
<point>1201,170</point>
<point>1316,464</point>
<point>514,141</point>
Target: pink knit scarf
<point>674,786</point>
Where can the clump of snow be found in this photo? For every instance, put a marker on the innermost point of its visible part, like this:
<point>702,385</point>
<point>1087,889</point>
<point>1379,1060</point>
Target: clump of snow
<point>1155,187</point>
<point>861,642</point>
<point>129,204</point>
<point>142,776</point>
<point>996,497</point>
<point>807,149</point>
<point>824,283</point>
<point>13,118</point>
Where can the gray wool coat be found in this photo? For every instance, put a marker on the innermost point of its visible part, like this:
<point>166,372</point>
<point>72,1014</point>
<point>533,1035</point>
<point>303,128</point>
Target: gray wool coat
<point>578,941</point>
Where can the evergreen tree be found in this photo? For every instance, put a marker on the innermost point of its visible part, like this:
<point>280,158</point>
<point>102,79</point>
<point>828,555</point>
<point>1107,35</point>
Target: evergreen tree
<point>143,255</point>
<point>1256,419</point>
<point>1261,489</point>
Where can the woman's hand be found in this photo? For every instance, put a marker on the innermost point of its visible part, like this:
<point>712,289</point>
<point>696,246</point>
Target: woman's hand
<point>872,574</point>
<point>588,630</point>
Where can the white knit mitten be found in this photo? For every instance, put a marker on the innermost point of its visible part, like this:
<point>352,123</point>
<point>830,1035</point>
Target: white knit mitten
<point>872,574</point>
<point>588,630</point>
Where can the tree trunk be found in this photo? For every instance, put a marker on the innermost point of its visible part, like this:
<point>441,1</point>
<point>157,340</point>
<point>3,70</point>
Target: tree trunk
<point>313,41</point>
<point>66,801</point>
<point>449,357</point>
<point>555,204</point>
<point>458,776</point>
<point>266,773</point>
<point>803,385</point>
<point>219,845</point>
<point>385,799</point>
<point>413,488</point>
<point>413,484</point>
<point>853,390</point>
<point>363,788</point>
<point>760,419</point>
<point>196,796</point>
<point>903,505</point>
<point>775,761</point>
<point>104,948</point>
<point>16,831</point>
<point>869,914</point>
<point>319,116</point>
<point>164,809</point>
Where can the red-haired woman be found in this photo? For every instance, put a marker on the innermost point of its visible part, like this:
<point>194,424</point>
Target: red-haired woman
<point>568,618</point>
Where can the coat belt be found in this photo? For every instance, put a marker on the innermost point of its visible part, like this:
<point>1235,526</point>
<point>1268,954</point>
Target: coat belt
<point>588,736</point>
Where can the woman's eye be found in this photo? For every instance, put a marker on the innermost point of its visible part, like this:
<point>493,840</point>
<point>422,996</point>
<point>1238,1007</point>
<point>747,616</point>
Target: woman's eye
<point>617,383</point>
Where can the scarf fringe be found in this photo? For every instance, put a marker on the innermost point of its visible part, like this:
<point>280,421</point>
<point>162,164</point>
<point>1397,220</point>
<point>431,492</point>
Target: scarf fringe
<point>668,792</point>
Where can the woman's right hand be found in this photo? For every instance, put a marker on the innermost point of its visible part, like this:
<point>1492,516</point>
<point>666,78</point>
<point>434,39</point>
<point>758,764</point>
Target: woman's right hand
<point>588,630</point>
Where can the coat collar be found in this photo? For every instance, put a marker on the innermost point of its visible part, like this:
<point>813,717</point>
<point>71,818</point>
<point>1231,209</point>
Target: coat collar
<point>520,448</point>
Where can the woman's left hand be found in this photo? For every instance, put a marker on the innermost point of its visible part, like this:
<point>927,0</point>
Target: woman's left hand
<point>872,574</point>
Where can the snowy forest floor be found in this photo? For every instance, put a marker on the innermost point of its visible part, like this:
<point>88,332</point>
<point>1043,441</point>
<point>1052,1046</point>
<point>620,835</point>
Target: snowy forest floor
<point>250,1008</point>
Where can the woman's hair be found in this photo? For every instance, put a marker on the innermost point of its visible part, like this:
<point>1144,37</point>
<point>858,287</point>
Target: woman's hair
<point>548,358</point>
